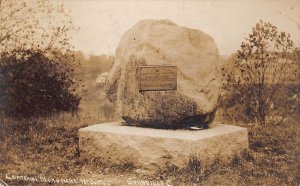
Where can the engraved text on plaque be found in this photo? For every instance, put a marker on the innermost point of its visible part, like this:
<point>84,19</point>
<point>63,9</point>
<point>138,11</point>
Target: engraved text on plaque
<point>158,77</point>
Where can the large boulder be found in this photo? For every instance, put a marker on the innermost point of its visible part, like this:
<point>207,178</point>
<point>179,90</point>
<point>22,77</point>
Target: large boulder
<point>161,42</point>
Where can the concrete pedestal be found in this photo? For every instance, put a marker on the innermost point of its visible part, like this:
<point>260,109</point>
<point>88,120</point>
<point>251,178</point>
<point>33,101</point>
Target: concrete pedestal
<point>150,148</point>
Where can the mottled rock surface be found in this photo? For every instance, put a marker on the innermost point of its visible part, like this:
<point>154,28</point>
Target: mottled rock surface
<point>154,149</point>
<point>160,42</point>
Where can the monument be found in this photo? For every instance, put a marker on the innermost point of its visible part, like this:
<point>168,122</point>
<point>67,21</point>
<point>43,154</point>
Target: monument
<point>165,84</point>
<point>159,43</point>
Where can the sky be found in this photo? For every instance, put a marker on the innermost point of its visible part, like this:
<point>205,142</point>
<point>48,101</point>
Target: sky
<point>103,22</point>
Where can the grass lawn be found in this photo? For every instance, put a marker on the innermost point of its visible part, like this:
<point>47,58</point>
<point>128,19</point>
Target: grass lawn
<point>272,159</point>
<point>48,147</point>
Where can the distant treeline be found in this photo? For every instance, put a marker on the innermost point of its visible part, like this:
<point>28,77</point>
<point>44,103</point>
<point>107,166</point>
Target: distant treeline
<point>93,65</point>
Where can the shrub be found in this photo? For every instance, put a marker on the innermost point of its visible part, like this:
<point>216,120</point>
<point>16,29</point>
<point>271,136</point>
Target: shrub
<point>285,103</point>
<point>264,76</point>
<point>35,84</point>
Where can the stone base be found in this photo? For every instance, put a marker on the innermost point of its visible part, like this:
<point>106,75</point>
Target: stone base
<point>151,149</point>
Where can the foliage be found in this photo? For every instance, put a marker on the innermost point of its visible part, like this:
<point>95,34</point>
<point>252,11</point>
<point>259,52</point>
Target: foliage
<point>93,65</point>
<point>40,24</point>
<point>36,58</point>
<point>32,84</point>
<point>264,78</point>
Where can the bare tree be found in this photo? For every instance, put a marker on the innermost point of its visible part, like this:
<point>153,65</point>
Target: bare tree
<point>265,74</point>
<point>38,24</point>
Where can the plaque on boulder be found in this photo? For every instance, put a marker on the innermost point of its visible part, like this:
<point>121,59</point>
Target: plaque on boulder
<point>158,78</point>
<point>144,86</point>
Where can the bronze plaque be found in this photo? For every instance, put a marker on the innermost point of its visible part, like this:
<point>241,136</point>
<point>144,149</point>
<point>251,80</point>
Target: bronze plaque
<point>158,77</point>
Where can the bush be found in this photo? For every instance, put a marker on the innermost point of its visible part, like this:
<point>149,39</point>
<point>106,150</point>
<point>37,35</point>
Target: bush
<point>233,111</point>
<point>285,102</point>
<point>35,84</point>
<point>263,75</point>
